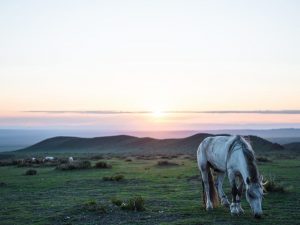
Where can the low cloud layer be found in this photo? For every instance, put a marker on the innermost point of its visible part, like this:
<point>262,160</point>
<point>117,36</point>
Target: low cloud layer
<point>179,112</point>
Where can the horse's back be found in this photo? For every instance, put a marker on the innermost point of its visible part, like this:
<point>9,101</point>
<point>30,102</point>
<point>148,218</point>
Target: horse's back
<point>214,150</point>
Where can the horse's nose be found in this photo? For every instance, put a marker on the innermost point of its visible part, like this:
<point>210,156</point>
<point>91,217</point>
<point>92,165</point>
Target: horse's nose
<point>257,215</point>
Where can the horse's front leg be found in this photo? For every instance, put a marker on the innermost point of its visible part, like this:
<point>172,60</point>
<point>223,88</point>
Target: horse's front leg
<point>219,185</point>
<point>239,197</point>
<point>234,191</point>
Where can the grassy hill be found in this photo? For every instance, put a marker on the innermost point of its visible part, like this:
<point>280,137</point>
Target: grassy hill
<point>293,147</point>
<point>125,144</point>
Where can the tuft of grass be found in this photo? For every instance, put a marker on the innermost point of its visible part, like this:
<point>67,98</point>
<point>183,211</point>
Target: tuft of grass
<point>272,185</point>
<point>118,177</point>
<point>116,201</point>
<point>166,163</point>
<point>30,172</point>
<point>93,206</point>
<point>102,165</point>
<point>134,204</point>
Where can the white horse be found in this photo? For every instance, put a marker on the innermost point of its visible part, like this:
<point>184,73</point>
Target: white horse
<point>231,155</point>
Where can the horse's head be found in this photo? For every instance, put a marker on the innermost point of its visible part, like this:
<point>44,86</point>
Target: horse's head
<point>254,195</point>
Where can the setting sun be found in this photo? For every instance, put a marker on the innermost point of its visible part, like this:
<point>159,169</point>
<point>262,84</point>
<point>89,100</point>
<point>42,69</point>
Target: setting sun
<point>158,113</point>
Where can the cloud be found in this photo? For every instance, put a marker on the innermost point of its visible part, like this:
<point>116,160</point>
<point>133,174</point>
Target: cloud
<point>174,112</point>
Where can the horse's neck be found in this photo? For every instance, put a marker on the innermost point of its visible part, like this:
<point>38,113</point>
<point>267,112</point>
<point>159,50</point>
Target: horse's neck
<point>242,165</point>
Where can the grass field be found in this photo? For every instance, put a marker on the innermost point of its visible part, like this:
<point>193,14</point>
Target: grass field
<point>172,195</point>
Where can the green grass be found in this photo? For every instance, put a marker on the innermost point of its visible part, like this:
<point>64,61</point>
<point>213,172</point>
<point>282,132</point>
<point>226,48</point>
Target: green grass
<point>172,195</point>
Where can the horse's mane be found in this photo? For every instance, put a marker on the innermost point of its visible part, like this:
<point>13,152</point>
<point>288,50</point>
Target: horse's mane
<point>249,157</point>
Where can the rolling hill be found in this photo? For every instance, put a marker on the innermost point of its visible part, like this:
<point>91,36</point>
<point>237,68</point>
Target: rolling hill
<point>293,147</point>
<point>124,144</point>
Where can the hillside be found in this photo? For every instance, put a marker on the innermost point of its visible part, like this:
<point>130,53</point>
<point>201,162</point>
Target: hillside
<point>130,144</point>
<point>293,147</point>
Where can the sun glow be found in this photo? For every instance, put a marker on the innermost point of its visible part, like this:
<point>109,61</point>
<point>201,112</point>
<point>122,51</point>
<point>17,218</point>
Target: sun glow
<point>157,113</point>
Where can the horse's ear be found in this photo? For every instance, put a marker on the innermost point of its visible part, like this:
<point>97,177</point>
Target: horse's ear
<point>248,180</point>
<point>261,178</point>
<point>247,138</point>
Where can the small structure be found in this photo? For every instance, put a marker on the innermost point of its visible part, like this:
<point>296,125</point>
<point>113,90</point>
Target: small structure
<point>71,159</point>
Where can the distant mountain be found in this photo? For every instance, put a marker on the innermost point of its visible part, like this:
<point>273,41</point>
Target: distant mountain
<point>134,145</point>
<point>12,139</point>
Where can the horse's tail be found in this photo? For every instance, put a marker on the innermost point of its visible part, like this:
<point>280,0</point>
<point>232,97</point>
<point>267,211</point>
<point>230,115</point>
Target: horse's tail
<point>212,188</point>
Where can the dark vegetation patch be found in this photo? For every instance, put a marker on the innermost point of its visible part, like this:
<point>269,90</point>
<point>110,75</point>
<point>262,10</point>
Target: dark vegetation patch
<point>94,206</point>
<point>31,172</point>
<point>273,185</point>
<point>3,184</point>
<point>136,203</point>
<point>164,163</point>
<point>194,178</point>
<point>76,165</point>
<point>118,177</point>
<point>97,157</point>
<point>103,165</point>
<point>263,159</point>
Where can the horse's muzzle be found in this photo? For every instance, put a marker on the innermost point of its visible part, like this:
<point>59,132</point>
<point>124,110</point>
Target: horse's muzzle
<point>257,215</point>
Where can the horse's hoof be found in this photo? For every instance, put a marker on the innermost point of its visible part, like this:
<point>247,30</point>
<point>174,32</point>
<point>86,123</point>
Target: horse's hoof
<point>209,208</point>
<point>226,204</point>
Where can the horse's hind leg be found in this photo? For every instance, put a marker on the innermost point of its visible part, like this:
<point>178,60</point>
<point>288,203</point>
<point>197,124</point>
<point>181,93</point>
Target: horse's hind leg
<point>204,173</point>
<point>219,185</point>
<point>202,164</point>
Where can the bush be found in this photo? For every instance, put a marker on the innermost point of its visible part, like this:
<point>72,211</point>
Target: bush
<point>114,178</point>
<point>134,204</point>
<point>166,163</point>
<point>272,185</point>
<point>31,172</point>
<point>75,165</point>
<point>93,206</point>
<point>116,201</point>
<point>102,165</point>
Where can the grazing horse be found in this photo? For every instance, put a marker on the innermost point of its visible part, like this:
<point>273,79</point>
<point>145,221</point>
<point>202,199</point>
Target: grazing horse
<point>234,156</point>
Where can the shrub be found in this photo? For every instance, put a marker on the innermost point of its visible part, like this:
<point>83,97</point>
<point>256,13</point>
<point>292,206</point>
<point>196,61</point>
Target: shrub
<point>31,172</point>
<point>166,163</point>
<point>85,164</point>
<point>134,204</point>
<point>272,185</point>
<point>102,165</point>
<point>93,206</point>
<point>114,178</point>
<point>116,201</point>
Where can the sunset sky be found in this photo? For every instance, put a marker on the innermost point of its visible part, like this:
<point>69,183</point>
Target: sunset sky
<point>165,63</point>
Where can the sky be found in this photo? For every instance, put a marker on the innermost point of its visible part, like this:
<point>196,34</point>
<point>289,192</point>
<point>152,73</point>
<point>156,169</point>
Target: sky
<point>61,59</point>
